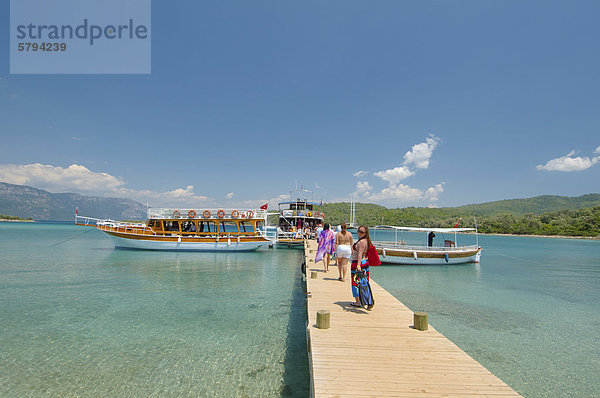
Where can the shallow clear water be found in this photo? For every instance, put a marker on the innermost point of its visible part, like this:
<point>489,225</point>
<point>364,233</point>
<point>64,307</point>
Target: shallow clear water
<point>79,318</point>
<point>529,312</point>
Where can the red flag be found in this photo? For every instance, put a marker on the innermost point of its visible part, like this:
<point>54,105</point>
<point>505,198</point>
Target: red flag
<point>264,207</point>
<point>76,210</point>
<point>458,222</point>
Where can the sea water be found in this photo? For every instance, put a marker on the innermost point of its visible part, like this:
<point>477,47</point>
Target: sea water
<point>79,318</point>
<point>529,312</point>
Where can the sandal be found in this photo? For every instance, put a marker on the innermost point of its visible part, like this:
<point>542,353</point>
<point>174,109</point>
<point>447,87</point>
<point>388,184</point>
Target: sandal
<point>355,304</point>
<point>340,279</point>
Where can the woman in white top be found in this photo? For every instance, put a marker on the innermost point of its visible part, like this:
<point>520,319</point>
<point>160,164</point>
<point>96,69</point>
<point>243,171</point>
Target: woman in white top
<point>343,250</point>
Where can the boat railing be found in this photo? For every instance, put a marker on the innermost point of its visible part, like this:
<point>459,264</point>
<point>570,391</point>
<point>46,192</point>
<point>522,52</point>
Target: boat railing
<point>86,221</point>
<point>402,246</point>
<point>115,226</point>
<point>200,213</point>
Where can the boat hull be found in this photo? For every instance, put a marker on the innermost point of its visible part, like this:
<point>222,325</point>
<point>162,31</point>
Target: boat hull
<point>428,257</point>
<point>187,244</point>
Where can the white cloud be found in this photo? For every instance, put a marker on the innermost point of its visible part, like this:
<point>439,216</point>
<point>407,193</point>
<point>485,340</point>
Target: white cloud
<point>395,175</point>
<point>363,187</point>
<point>360,173</point>
<point>400,192</point>
<point>406,193</point>
<point>417,158</point>
<point>420,154</point>
<point>229,195</point>
<point>569,163</point>
<point>58,179</point>
<point>432,193</point>
<point>256,203</point>
<point>80,179</point>
<point>597,150</point>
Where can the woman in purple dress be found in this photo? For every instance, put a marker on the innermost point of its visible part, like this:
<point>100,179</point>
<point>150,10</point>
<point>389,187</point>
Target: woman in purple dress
<point>326,246</point>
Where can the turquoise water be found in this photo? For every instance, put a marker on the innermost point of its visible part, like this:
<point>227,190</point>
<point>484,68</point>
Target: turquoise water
<point>529,312</point>
<point>81,319</point>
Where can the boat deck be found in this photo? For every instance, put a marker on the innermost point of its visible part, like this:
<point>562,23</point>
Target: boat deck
<point>378,353</point>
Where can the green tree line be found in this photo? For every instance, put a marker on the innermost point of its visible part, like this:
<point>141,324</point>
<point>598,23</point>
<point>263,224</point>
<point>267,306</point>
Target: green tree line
<point>567,222</point>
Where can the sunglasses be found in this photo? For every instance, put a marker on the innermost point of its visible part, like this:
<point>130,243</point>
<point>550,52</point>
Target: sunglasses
<point>361,231</point>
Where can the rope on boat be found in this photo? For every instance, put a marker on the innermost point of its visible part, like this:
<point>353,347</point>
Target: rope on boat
<point>525,260</point>
<point>72,237</point>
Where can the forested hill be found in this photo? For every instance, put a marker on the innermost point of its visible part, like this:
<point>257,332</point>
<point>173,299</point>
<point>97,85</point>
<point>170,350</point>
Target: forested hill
<point>541,215</point>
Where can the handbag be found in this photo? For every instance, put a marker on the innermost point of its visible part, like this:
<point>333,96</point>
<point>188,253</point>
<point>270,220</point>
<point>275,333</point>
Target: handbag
<point>373,256</point>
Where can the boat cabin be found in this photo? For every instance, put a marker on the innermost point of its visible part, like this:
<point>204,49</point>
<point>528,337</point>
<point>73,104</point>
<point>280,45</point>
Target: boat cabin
<point>299,215</point>
<point>205,227</point>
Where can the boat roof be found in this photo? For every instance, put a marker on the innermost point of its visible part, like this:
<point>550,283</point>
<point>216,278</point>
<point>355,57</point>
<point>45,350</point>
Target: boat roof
<point>418,229</point>
<point>300,201</point>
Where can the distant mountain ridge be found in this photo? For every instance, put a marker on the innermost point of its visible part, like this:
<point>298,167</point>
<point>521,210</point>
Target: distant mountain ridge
<point>24,201</point>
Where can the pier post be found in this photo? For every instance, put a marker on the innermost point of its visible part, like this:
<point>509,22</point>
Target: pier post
<point>323,319</point>
<point>313,274</point>
<point>421,320</point>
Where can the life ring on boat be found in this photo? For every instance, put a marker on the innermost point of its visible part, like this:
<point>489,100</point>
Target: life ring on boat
<point>191,214</point>
<point>221,213</point>
<point>176,214</point>
<point>249,214</point>
<point>235,214</point>
<point>206,213</point>
<point>308,214</point>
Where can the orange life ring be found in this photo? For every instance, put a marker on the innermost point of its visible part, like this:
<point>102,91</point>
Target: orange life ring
<point>221,213</point>
<point>235,214</point>
<point>191,214</point>
<point>249,214</point>
<point>206,213</point>
<point>176,214</point>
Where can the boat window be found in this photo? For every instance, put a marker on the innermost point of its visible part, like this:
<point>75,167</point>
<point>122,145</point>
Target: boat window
<point>228,227</point>
<point>246,226</point>
<point>188,226</point>
<point>171,225</point>
<point>207,226</point>
<point>152,223</point>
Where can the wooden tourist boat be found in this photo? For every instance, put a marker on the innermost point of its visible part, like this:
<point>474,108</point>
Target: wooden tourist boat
<point>187,230</point>
<point>398,252</point>
<point>295,217</point>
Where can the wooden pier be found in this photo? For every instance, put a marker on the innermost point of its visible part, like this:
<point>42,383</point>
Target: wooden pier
<point>379,353</point>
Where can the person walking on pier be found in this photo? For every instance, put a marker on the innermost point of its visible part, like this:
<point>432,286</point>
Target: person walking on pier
<point>360,261</point>
<point>326,246</point>
<point>343,250</point>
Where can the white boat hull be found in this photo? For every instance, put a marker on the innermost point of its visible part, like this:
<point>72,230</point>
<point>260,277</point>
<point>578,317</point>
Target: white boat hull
<point>429,257</point>
<point>176,245</point>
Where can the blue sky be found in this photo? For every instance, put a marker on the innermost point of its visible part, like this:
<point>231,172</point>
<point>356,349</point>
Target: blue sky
<point>406,103</point>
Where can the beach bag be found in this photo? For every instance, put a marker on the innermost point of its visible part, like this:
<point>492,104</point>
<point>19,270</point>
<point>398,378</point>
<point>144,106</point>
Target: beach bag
<point>364,290</point>
<point>373,256</point>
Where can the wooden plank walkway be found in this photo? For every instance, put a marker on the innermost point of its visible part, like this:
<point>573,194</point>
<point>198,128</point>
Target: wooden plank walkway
<point>377,353</point>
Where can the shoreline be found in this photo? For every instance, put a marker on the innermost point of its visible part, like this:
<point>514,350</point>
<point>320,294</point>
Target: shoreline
<point>6,220</point>
<point>545,236</point>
